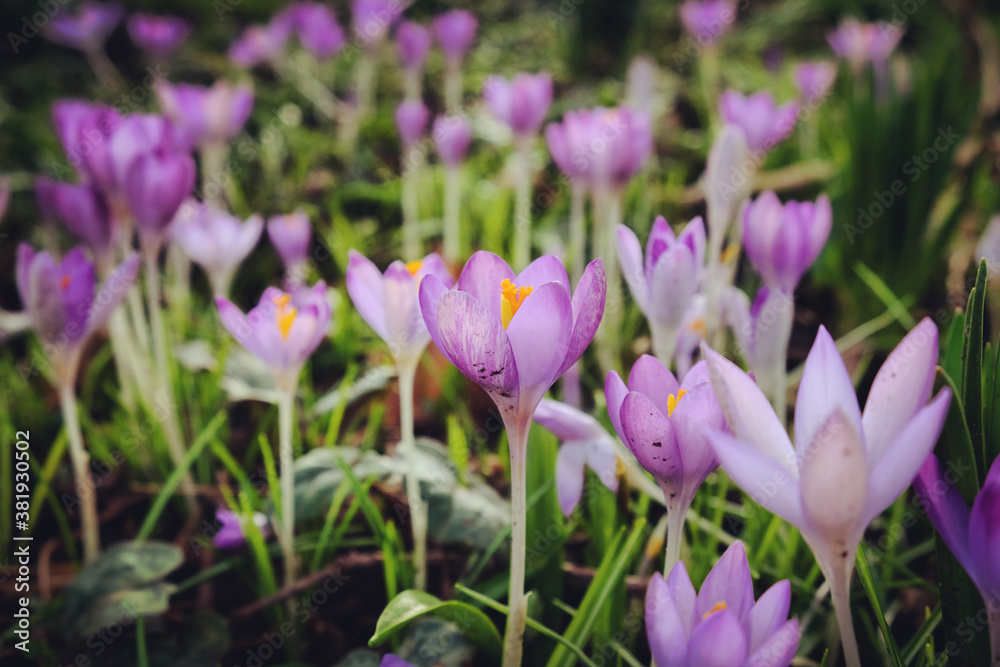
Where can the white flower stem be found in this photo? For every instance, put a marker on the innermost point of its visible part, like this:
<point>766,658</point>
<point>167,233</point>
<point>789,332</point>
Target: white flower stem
<point>994,621</point>
<point>607,214</point>
<point>522,206</point>
<point>577,232</point>
<point>840,592</point>
<point>106,72</point>
<point>407,371</point>
<point>664,342</point>
<point>85,491</point>
<point>453,87</point>
<point>517,600</point>
<point>452,214</point>
<point>286,457</point>
<point>675,534</point>
<point>410,204</point>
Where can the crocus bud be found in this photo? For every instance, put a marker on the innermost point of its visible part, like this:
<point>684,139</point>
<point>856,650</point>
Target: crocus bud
<point>861,43</point>
<point>232,529</point>
<point>155,189</point>
<point>317,27</point>
<point>814,80</point>
<point>373,19</point>
<point>520,103</point>
<point>138,135</point>
<point>601,148</point>
<point>413,41</point>
<point>205,116</point>
<point>764,124</point>
<point>259,44</point>
<point>455,31</point>
<point>85,213</point>
<point>706,21</point>
<point>85,131</point>
<point>159,36</point>
<point>411,122</point>
<point>290,235</point>
<point>728,181</point>
<point>782,241</point>
<point>215,240</point>
<point>86,29</point>
<point>721,624</point>
<point>452,135</point>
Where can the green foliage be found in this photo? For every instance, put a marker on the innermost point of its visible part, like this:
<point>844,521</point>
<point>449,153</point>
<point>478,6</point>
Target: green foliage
<point>411,605</point>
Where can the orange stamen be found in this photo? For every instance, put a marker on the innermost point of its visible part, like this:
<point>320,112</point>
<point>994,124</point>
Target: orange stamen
<point>672,401</point>
<point>413,267</point>
<point>511,298</point>
<point>65,281</point>
<point>284,315</point>
<point>719,606</point>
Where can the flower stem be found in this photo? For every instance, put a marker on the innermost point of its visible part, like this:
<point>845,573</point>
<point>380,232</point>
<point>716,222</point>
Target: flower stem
<point>522,207</point>
<point>452,214</point>
<point>664,343</point>
<point>840,592</point>
<point>577,232</point>
<point>409,203</point>
<point>675,535</point>
<point>286,407</point>
<point>85,490</point>
<point>994,621</point>
<point>453,87</point>
<point>517,600</point>
<point>106,72</point>
<point>407,372</point>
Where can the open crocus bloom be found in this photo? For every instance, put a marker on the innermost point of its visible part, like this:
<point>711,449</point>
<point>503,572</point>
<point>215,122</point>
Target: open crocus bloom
<point>390,303</point>
<point>814,79</point>
<point>290,235</point>
<point>514,335</point>
<point>206,115</point>
<point>585,443</point>
<point>721,625</point>
<point>520,103</point>
<point>861,43</point>
<point>159,36</point>
<point>600,147</point>
<point>216,240</point>
<point>764,123</point>
<point>393,661</point>
<point>231,533</point>
<point>665,283</point>
<point>663,423</point>
<point>706,21</point>
<point>86,29</point>
<point>783,240</point>
<point>848,466</point>
<point>60,300</point>
<point>282,330</point>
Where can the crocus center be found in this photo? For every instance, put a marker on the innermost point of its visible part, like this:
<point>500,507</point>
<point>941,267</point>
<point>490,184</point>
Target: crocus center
<point>511,298</point>
<point>284,314</point>
<point>699,327</point>
<point>413,267</point>
<point>719,606</point>
<point>672,401</point>
<point>64,282</point>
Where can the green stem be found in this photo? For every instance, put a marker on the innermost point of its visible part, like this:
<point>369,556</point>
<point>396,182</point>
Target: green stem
<point>522,206</point>
<point>453,87</point>
<point>518,601</point>
<point>452,214</point>
<point>85,491</point>
<point>407,372</point>
<point>577,231</point>
<point>410,203</point>
<point>286,407</point>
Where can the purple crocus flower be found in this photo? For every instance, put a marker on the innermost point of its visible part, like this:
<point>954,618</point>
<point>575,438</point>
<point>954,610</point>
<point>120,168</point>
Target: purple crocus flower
<point>84,211</point>
<point>206,116</point>
<point>514,335</point>
<point>783,240</point>
<point>390,303</point>
<point>721,625</point>
<point>290,235</point>
<point>215,240</point>
<point>411,122</point>
<point>282,330</point>
<point>390,660</point>
<point>85,131</point>
<point>707,21</point>
<point>861,43</point>
<point>86,29</point>
<point>665,284</point>
<point>231,534</point>
<point>520,103</point>
<point>601,148</point>
<point>60,300</point>
<point>663,422</point>
<point>158,36</point>
<point>413,41</point>
<point>848,465</point>
<point>814,80</point>
<point>317,27</point>
<point>260,44</point>
<point>972,537</point>
<point>452,136</point>
<point>134,136</point>
<point>764,124</point>
<point>372,19</point>
<point>585,443</point>
<point>455,31</point>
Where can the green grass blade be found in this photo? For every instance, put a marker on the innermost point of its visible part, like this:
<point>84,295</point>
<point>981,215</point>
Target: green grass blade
<point>972,369</point>
<point>865,574</point>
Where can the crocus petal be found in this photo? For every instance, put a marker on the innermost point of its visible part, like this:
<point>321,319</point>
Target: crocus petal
<point>430,292</point>
<point>730,582</point>
<point>588,308</point>
<point>672,285</point>
<point>570,476</point>
<point>766,481</point>
<point>652,379</point>
<point>545,269</point>
<point>113,292</point>
<point>651,438</point>
<point>364,285</point>
<point>695,411</point>
<point>825,387</point>
<point>718,641</point>
<point>407,333</point>
<point>684,596</point>
<point>665,631</point>
<point>603,460</point>
<point>770,613</point>
<point>984,534</point>
<point>393,661</point>
<point>566,422</point>
<point>481,278</point>
<point>778,649</point>
<point>748,412</point>
<point>234,320</point>
<point>902,386</point>
<point>479,347</point>
<point>630,257</point>
<point>902,459</point>
<point>45,299</point>
<point>614,394</point>
<point>945,506</point>
<point>539,335</point>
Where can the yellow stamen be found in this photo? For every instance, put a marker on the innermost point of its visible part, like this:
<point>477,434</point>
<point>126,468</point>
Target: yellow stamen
<point>511,298</point>
<point>698,326</point>
<point>719,606</point>
<point>64,282</point>
<point>730,252</point>
<point>284,315</point>
<point>672,401</point>
<point>413,267</point>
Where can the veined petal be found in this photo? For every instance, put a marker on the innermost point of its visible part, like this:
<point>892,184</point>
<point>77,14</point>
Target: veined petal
<point>668,640</point>
<point>481,278</point>
<point>718,641</point>
<point>902,386</point>
<point>630,257</point>
<point>729,582</point>
<point>603,460</point>
<point>984,534</point>
<point>946,508</point>
<point>651,438</point>
<point>570,476</point>
<point>614,394</point>
<point>778,649</point>
<point>769,613</point>
<point>539,336</point>
<point>588,308</point>
<point>430,292</point>
<point>748,412</point>
<point>364,285</point>
<point>901,460</point>
<point>825,387</point>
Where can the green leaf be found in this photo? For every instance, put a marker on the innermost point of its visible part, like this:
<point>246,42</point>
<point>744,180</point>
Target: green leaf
<point>954,342</point>
<point>993,431</point>
<point>972,369</point>
<point>955,445</point>
<point>919,640</point>
<point>607,580</point>
<point>885,295</point>
<point>411,605</point>
<point>865,575</point>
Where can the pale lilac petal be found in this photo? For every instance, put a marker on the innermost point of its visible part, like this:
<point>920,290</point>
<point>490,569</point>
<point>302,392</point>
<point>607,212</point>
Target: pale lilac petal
<point>113,292</point>
<point>545,269</point>
<point>365,287</point>
<point>652,379</point>
<point>946,508</point>
<point>718,641</point>
<point>651,439</point>
<point>630,257</point>
<point>407,332</point>
<point>602,459</point>
<point>566,422</point>
<point>901,460</point>
<point>665,631</point>
<point>614,394</point>
<point>588,308</point>
<point>539,335</point>
<point>778,650</point>
<point>684,596</point>
<point>825,387</point>
<point>570,476</point>
<point>902,386</point>
<point>481,278</point>
<point>694,412</point>
<point>748,412</point>
<point>478,346</point>
<point>25,257</point>
<point>672,285</point>
<point>430,292</point>
<point>765,480</point>
<point>769,613</point>
<point>45,300</point>
<point>984,535</point>
<point>730,582</point>
<point>236,323</point>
